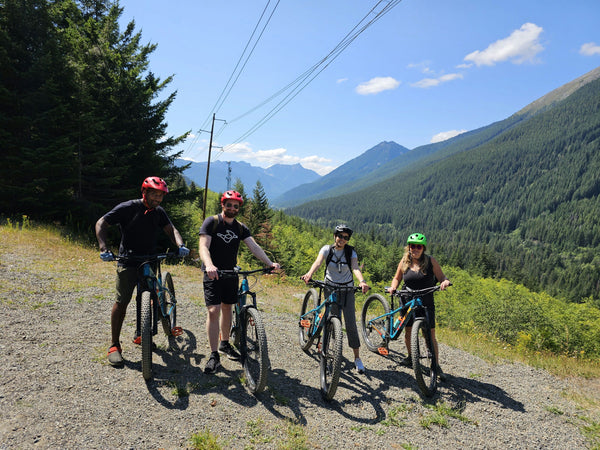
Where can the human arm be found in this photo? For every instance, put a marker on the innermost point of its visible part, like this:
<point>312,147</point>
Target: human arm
<point>359,276</point>
<point>259,253</point>
<point>397,279</point>
<point>439,275</point>
<point>203,249</point>
<point>308,275</point>
<point>176,238</point>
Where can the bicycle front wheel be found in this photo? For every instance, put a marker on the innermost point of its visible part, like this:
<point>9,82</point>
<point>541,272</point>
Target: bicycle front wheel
<point>423,357</point>
<point>375,324</point>
<point>169,305</point>
<point>146,334</point>
<point>307,321</point>
<point>255,356</point>
<point>331,357</point>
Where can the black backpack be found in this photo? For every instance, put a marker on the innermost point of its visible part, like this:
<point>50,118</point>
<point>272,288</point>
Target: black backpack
<point>219,219</point>
<point>347,254</point>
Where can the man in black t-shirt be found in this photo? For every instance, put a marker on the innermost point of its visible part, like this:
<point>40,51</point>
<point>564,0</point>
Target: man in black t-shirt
<point>140,221</point>
<point>219,244</point>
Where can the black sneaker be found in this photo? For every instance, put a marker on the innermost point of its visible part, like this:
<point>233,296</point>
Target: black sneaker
<point>226,349</point>
<point>407,362</point>
<point>214,362</point>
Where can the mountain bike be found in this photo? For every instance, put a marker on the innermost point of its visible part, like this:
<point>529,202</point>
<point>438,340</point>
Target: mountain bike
<point>248,330</point>
<point>316,316</point>
<point>155,300</point>
<point>381,324</point>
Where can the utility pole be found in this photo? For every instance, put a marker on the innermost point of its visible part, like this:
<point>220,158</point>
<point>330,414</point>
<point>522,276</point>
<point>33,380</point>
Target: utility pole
<point>212,128</point>
<point>228,175</point>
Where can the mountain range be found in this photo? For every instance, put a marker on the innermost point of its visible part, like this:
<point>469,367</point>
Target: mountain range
<point>519,198</point>
<point>223,175</point>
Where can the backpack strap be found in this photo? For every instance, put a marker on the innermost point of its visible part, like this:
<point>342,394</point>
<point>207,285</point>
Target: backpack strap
<point>218,219</point>
<point>347,254</point>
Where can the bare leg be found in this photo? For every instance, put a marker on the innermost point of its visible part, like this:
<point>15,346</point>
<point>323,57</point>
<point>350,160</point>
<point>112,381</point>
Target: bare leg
<point>225,320</point>
<point>212,326</point>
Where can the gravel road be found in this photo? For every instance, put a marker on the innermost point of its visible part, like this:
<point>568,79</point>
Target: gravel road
<point>57,391</point>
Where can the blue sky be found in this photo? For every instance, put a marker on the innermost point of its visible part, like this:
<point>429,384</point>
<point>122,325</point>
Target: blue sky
<point>306,85</point>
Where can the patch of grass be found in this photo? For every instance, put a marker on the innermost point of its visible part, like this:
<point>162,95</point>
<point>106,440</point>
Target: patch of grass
<point>178,390</point>
<point>591,430</point>
<point>554,410</point>
<point>396,416</point>
<point>441,412</point>
<point>205,440</point>
<point>257,432</point>
<point>279,399</point>
<point>295,437</point>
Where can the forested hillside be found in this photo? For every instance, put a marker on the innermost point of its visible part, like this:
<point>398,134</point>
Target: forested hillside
<point>81,121</point>
<point>524,205</point>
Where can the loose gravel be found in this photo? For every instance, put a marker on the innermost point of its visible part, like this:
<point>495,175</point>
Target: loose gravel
<point>57,390</point>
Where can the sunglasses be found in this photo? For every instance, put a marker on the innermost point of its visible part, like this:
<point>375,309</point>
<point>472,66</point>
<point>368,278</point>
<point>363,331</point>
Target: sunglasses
<point>416,246</point>
<point>343,236</point>
<point>232,205</point>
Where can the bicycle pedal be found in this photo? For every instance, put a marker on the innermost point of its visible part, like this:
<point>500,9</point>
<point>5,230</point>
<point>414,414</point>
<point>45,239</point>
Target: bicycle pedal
<point>383,351</point>
<point>304,323</point>
<point>177,331</point>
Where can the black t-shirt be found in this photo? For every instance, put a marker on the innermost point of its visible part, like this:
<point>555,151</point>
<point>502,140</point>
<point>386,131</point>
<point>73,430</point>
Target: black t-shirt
<point>225,240</point>
<point>139,226</point>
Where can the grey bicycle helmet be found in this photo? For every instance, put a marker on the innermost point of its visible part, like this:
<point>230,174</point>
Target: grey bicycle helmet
<point>343,229</point>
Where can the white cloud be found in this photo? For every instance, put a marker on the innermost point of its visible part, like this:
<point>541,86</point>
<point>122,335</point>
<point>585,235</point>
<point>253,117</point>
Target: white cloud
<point>266,158</point>
<point>590,49</point>
<point>445,135</point>
<point>429,82</point>
<point>521,46</point>
<point>341,80</point>
<point>377,85</point>
<point>423,67</point>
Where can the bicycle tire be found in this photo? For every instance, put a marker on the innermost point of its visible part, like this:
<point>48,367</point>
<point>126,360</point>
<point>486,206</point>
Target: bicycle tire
<point>169,303</point>
<point>375,332</point>
<point>146,334</point>
<point>423,357</point>
<point>331,357</point>
<point>255,356</point>
<point>311,301</point>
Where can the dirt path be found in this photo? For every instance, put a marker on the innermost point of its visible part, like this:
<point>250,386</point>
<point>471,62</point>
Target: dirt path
<point>56,390</point>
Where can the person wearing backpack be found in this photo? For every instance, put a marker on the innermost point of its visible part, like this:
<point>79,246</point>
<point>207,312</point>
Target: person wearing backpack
<point>220,238</point>
<point>341,263</point>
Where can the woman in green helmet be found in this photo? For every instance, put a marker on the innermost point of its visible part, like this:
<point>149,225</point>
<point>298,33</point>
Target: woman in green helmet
<point>419,271</point>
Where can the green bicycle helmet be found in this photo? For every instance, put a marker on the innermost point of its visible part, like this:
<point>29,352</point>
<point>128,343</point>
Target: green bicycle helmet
<point>417,238</point>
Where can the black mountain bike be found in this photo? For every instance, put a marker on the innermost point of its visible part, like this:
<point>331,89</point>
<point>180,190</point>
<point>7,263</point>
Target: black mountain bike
<point>381,324</point>
<point>316,316</point>
<point>155,300</point>
<point>248,331</point>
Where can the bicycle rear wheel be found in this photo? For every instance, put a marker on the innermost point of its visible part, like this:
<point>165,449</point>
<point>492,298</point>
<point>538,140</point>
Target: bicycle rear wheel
<point>331,357</point>
<point>169,304</point>
<point>423,357</point>
<point>255,356</point>
<point>146,334</point>
<point>306,322</point>
<point>374,328</point>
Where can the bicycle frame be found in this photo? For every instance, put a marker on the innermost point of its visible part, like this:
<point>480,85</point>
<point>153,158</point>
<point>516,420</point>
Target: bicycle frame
<point>323,311</point>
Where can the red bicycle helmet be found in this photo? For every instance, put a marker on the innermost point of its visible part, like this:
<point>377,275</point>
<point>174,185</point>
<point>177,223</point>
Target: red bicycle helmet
<point>232,195</point>
<point>155,183</point>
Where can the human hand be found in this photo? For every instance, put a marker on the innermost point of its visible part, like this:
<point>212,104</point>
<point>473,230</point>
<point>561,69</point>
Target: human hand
<point>306,278</point>
<point>363,286</point>
<point>444,284</point>
<point>107,256</point>
<point>183,251</point>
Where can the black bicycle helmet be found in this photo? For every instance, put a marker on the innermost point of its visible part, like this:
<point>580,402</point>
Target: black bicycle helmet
<point>343,229</point>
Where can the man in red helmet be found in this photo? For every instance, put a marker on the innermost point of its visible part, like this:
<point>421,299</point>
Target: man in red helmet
<point>140,221</point>
<point>220,238</point>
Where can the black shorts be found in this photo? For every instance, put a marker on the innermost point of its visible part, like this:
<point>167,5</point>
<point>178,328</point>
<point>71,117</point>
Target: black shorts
<point>431,311</point>
<point>223,290</point>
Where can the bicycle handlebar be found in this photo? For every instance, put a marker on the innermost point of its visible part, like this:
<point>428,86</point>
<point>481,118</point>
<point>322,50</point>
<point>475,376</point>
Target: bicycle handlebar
<point>143,258</point>
<point>334,286</point>
<point>416,292</point>
<point>225,273</point>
